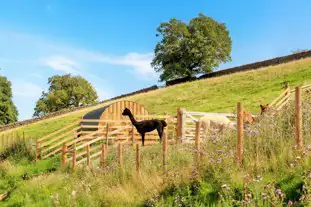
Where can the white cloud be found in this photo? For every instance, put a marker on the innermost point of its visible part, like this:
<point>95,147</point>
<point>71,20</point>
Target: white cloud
<point>139,62</point>
<point>26,89</point>
<point>37,58</point>
<point>59,63</point>
<point>69,59</point>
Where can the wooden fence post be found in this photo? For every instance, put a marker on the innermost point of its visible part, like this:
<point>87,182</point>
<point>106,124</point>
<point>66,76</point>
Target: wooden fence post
<point>167,127</point>
<point>107,137</point>
<point>240,133</point>
<point>103,156</point>
<point>298,120</point>
<point>180,123</point>
<point>120,156</point>
<point>74,157</point>
<point>37,150</point>
<point>197,142</point>
<point>138,160</point>
<point>88,152</point>
<point>64,155</point>
<point>164,148</point>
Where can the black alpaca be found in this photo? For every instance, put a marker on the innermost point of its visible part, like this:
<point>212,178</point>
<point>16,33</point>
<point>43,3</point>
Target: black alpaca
<point>146,125</point>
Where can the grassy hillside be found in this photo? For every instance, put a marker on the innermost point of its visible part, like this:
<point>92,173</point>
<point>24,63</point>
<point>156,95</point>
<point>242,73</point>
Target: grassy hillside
<point>222,93</point>
<point>272,174</point>
<point>211,95</point>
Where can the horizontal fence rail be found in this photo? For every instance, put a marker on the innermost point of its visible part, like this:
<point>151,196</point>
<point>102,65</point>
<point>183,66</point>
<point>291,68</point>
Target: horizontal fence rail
<point>86,132</point>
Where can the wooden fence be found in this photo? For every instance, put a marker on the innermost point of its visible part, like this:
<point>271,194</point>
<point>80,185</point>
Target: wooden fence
<point>10,138</point>
<point>287,95</point>
<point>81,142</point>
<point>77,146</point>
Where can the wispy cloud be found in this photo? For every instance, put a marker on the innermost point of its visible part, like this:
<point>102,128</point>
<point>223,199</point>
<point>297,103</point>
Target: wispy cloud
<point>35,58</point>
<point>140,63</point>
<point>59,63</point>
<point>71,59</point>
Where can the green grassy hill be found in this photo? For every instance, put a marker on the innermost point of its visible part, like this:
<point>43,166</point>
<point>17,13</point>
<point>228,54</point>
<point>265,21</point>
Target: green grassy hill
<point>218,94</point>
<point>272,174</point>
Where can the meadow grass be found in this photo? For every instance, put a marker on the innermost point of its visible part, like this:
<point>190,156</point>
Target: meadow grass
<point>272,174</point>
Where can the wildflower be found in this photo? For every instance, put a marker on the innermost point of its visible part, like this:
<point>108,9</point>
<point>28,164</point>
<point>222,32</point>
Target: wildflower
<point>264,195</point>
<point>73,193</point>
<point>290,203</point>
<point>279,193</point>
<point>254,131</point>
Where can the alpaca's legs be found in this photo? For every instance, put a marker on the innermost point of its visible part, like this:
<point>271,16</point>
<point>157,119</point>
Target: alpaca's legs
<point>160,132</point>
<point>221,129</point>
<point>143,138</point>
<point>206,127</point>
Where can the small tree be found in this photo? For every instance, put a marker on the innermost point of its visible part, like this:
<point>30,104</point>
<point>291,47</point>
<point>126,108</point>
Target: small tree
<point>65,92</point>
<point>8,111</point>
<point>186,50</point>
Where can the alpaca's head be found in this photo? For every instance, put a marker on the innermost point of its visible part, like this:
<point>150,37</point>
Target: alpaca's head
<point>126,112</point>
<point>264,108</point>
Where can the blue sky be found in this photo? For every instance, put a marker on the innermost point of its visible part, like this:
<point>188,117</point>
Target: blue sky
<point>111,43</point>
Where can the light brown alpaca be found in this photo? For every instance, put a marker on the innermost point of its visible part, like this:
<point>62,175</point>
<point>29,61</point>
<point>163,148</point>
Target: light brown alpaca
<point>247,117</point>
<point>222,122</point>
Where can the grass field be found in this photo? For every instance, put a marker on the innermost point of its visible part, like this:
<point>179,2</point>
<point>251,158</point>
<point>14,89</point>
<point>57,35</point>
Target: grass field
<point>218,94</point>
<point>273,174</point>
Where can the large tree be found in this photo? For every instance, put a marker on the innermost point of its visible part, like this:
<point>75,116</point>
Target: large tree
<point>65,92</point>
<point>8,111</point>
<point>186,50</point>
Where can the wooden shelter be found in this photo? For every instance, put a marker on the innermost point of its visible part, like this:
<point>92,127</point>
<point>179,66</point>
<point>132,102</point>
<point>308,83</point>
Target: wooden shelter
<point>114,112</point>
<point>111,115</point>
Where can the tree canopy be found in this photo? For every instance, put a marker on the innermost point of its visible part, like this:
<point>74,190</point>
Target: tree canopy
<point>65,92</point>
<point>8,111</point>
<point>186,50</point>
